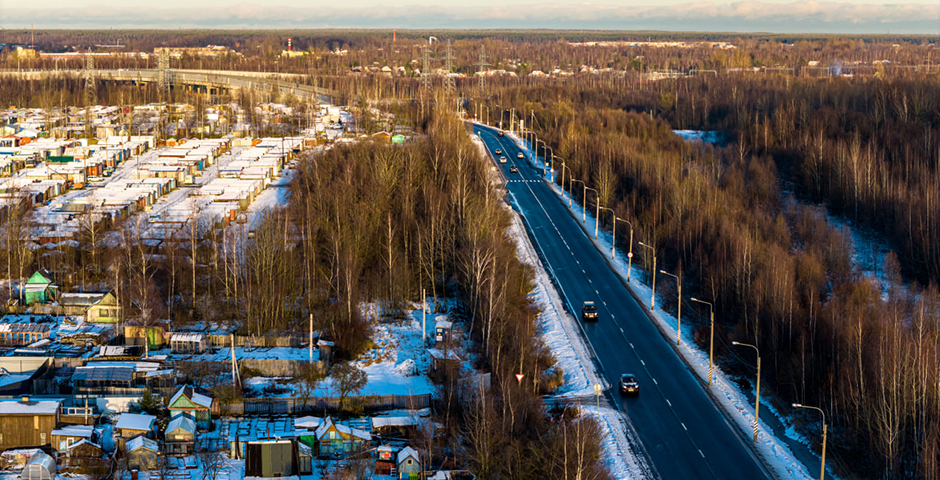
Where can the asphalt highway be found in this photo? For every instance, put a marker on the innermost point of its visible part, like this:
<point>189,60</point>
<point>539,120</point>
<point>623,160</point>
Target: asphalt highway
<point>683,431</point>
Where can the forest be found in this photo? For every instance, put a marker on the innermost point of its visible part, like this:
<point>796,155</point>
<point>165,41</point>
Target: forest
<point>747,225</point>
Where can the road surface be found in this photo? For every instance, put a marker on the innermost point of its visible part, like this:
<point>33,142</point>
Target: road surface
<point>686,435</point>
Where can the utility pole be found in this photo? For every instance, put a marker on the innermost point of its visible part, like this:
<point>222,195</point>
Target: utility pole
<point>311,338</point>
<point>425,69</point>
<point>163,74</point>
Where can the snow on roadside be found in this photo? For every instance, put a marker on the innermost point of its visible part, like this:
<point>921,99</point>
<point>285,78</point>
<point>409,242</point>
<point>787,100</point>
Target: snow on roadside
<point>559,331</point>
<point>776,455</point>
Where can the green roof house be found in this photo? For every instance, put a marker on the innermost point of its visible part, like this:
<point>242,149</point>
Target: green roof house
<point>39,288</point>
<point>193,405</point>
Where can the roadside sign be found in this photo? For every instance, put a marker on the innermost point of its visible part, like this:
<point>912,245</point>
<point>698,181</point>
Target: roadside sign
<point>519,377</point>
<point>630,255</point>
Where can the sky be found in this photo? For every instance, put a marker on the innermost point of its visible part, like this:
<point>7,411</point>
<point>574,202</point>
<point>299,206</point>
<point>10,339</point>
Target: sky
<point>847,16</point>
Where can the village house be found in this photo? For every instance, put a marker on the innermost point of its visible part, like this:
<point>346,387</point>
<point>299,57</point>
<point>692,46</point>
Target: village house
<point>85,454</point>
<point>180,436</point>
<point>96,307</point>
<point>39,288</point>
<point>26,423</point>
<point>196,406</point>
<point>64,436</point>
<point>335,440</point>
<point>133,425</point>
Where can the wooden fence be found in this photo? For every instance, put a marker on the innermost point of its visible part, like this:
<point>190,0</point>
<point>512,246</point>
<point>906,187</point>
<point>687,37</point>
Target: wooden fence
<point>286,406</point>
<point>243,340</point>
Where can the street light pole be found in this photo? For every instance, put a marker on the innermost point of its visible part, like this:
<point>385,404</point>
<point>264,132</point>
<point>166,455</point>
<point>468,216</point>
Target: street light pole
<point>679,301</point>
<point>822,468</point>
<point>584,208</point>
<point>757,396</point>
<point>653,271</point>
<point>570,188</point>
<point>614,244</point>
<point>711,341</point>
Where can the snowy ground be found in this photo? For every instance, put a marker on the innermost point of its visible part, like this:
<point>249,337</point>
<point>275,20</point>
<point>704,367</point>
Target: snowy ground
<point>773,451</point>
<point>561,333</point>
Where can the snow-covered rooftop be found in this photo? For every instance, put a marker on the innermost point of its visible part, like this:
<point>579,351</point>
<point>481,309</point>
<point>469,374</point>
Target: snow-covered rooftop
<point>135,421</point>
<point>18,407</point>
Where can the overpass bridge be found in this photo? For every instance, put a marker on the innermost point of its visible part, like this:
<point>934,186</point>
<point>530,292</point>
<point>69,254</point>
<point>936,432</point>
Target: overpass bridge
<point>209,81</point>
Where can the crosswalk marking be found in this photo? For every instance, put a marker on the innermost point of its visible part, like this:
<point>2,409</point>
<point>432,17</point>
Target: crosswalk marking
<point>523,181</point>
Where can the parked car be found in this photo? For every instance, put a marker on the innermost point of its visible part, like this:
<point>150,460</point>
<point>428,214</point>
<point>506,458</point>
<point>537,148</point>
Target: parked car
<point>589,311</point>
<point>629,385</point>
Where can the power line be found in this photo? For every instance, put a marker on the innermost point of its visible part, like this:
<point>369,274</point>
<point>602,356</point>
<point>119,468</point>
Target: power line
<point>480,72</point>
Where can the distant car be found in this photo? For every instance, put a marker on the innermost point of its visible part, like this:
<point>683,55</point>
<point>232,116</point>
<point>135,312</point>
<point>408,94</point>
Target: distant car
<point>499,152</point>
<point>520,156</point>
<point>589,311</point>
<point>502,159</point>
<point>629,385</point>
<point>500,134</point>
<point>513,169</point>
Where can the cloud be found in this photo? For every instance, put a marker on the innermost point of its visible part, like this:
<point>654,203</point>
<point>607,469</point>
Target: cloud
<point>808,16</point>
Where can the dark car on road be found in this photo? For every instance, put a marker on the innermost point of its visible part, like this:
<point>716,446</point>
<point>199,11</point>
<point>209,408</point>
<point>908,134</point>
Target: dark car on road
<point>629,385</point>
<point>500,134</point>
<point>513,169</point>
<point>520,156</point>
<point>499,152</point>
<point>589,312</point>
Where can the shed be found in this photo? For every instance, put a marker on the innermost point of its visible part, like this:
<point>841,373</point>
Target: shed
<point>64,437</point>
<point>271,458</point>
<point>409,464</point>
<point>25,423</point>
<point>40,467</point>
<point>39,288</point>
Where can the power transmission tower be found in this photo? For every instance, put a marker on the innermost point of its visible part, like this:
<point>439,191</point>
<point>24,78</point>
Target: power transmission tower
<point>449,83</point>
<point>480,72</point>
<point>426,69</point>
<point>90,92</point>
<point>163,74</point>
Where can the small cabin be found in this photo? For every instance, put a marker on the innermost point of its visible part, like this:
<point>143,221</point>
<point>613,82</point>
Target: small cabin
<point>189,403</point>
<point>133,425</point>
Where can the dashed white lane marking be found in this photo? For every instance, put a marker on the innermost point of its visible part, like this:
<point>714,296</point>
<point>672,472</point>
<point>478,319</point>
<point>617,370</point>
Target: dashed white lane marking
<point>700,453</point>
<point>644,364</point>
<point>683,426</point>
<point>667,401</point>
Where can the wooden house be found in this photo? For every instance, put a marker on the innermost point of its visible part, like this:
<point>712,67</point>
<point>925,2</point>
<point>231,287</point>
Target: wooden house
<point>142,453</point>
<point>189,403</point>
<point>96,307</point>
<point>335,440</point>
<point>63,437</point>
<point>132,425</point>
<point>84,454</point>
<point>39,288</point>
<point>409,464</point>
<point>25,423</point>
<point>180,436</point>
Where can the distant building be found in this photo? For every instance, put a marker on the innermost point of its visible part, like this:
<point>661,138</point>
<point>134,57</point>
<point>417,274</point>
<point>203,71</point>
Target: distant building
<point>188,342</point>
<point>409,463</point>
<point>335,440</point>
<point>64,437</point>
<point>271,458</point>
<point>131,426</point>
